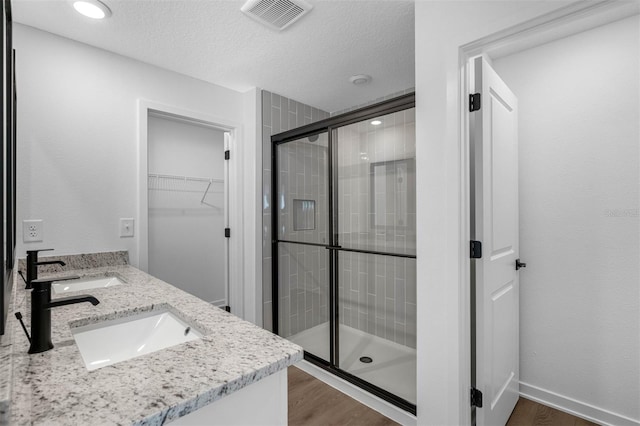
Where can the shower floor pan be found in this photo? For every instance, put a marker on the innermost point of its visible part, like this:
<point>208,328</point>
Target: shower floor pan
<point>392,366</point>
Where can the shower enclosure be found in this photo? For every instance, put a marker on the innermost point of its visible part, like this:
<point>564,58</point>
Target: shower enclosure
<point>344,246</point>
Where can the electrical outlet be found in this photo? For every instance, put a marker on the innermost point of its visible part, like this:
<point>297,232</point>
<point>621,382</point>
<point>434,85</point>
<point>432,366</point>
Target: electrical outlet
<point>32,231</point>
<point>126,227</point>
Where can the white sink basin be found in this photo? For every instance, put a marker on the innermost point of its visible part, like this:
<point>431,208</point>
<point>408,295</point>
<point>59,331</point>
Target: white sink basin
<point>86,283</point>
<point>109,342</point>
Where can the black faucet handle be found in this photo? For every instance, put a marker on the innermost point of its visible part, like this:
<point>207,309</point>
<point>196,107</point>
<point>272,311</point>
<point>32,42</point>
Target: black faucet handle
<point>45,283</point>
<point>51,262</point>
<point>37,251</point>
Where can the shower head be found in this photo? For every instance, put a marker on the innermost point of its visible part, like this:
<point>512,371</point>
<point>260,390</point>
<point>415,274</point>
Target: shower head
<point>313,138</point>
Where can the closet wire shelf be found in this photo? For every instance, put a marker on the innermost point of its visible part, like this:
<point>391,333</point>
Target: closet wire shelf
<point>186,184</point>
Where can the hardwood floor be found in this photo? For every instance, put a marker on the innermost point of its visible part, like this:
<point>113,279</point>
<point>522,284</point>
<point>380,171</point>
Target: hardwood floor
<point>529,413</point>
<point>314,403</point>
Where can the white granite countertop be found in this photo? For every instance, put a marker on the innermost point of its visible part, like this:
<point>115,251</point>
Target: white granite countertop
<point>55,388</point>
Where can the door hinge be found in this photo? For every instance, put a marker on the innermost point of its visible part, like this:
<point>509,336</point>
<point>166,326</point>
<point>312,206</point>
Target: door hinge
<point>476,249</point>
<point>476,398</point>
<point>474,102</point>
<point>227,155</point>
<point>227,232</point>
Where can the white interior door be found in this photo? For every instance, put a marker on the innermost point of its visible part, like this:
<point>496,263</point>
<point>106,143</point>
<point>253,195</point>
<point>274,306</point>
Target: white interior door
<point>494,142</point>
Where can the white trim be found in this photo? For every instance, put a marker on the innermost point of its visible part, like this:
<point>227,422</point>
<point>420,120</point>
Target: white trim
<point>252,172</point>
<point>238,285</point>
<point>574,18</point>
<point>381,406</point>
<point>227,248</point>
<point>464,234</point>
<point>574,407</point>
<point>259,302</point>
<point>236,244</point>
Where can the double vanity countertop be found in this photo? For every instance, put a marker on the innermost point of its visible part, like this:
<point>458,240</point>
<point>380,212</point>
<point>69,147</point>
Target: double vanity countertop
<point>55,387</point>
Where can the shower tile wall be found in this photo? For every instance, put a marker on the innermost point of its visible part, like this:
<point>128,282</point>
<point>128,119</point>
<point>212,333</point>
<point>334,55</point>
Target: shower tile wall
<point>303,288</point>
<point>303,270</point>
<point>377,294</point>
<point>280,114</point>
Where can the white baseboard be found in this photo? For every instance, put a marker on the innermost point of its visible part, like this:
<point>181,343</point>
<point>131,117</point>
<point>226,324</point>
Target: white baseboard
<point>577,408</point>
<point>219,303</point>
<point>381,406</point>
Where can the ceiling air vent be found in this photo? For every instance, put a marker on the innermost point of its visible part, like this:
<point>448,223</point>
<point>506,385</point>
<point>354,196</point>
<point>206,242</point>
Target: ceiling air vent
<point>276,14</point>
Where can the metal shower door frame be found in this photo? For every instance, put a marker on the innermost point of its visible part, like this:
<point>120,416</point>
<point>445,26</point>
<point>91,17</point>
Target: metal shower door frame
<point>330,126</point>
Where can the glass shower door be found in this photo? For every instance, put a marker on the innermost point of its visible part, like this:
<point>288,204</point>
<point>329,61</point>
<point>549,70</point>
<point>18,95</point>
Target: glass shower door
<point>344,246</point>
<point>301,238</point>
<point>376,264</point>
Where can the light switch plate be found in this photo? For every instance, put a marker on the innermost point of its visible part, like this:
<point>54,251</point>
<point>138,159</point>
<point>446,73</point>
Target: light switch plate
<point>126,227</point>
<point>32,231</point>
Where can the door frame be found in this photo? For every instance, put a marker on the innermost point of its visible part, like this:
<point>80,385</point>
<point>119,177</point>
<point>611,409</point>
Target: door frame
<point>235,282</point>
<point>560,23</point>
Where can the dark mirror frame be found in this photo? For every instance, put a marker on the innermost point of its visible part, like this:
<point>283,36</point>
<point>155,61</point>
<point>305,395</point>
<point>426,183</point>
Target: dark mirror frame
<point>8,170</point>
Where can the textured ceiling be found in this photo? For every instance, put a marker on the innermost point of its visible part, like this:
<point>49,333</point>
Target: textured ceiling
<point>211,40</point>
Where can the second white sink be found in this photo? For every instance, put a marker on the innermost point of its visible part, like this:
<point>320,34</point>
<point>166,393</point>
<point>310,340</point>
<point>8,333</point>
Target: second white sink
<point>113,341</point>
<point>86,283</point>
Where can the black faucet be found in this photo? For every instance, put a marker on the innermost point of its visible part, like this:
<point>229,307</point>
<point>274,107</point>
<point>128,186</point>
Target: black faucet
<point>41,305</point>
<point>32,265</point>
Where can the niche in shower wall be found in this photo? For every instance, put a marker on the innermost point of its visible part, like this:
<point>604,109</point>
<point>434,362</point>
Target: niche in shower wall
<point>304,215</point>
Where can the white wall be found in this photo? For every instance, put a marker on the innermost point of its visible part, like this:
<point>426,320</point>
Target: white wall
<point>77,136</point>
<point>579,220</point>
<point>187,246</point>
<point>442,27</point>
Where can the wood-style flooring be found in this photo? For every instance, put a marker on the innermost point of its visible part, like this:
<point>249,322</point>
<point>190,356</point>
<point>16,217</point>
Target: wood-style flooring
<point>314,403</point>
<point>529,413</point>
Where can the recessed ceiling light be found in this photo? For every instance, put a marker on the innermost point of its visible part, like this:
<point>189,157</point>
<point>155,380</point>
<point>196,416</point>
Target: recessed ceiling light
<point>376,122</point>
<point>360,79</point>
<point>94,9</point>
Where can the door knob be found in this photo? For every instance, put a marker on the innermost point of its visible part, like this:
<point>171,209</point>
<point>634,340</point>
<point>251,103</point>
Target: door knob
<point>520,264</point>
